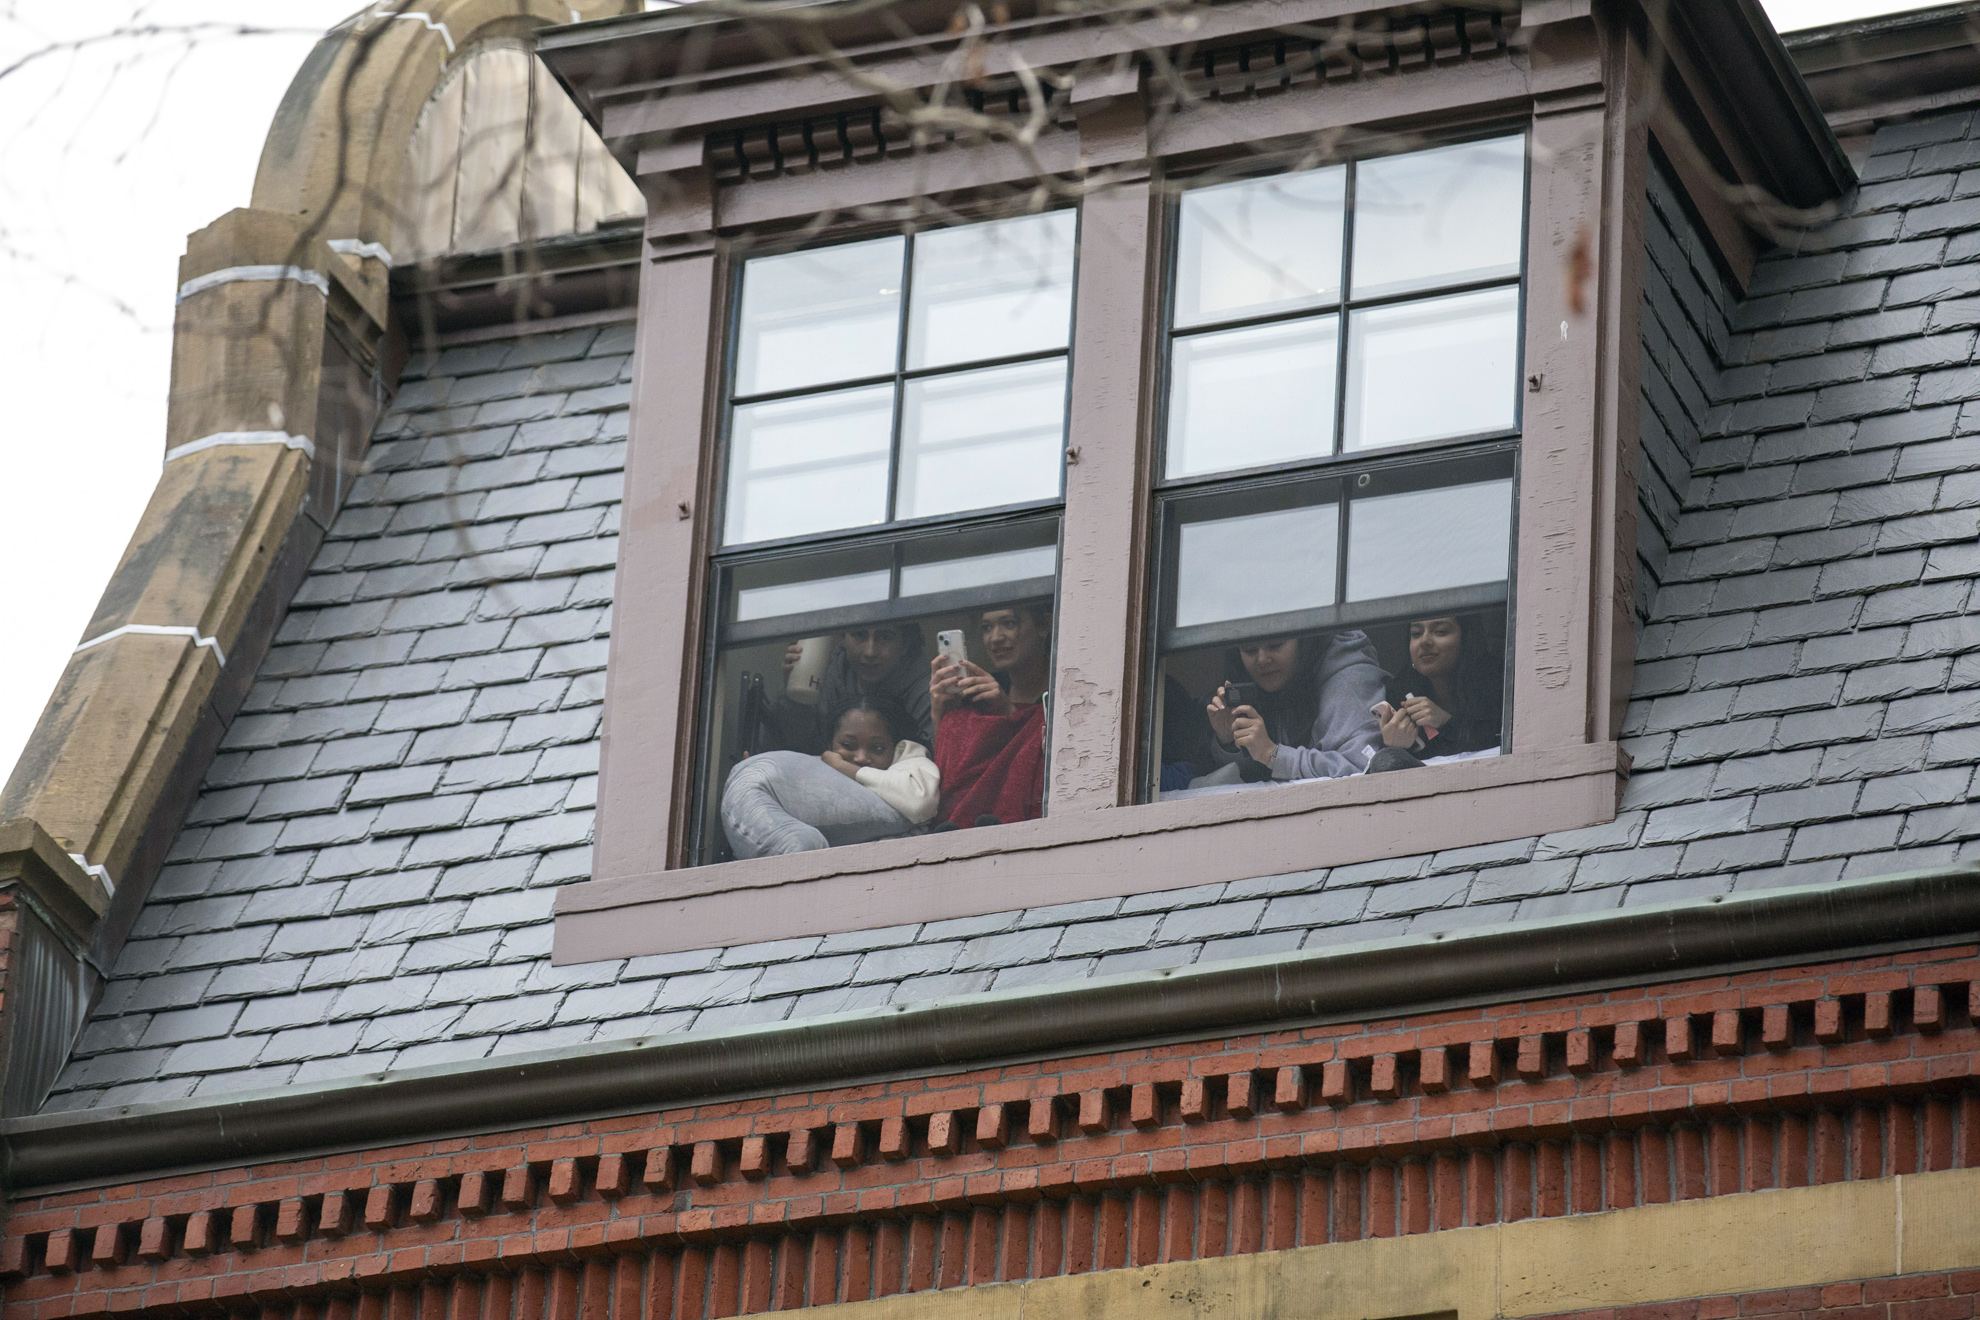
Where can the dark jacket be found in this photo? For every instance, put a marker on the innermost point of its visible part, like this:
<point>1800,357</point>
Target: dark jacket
<point>800,728</point>
<point>1475,723</point>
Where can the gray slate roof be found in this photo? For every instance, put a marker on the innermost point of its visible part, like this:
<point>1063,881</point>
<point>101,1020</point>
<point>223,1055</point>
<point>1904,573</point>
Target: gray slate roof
<point>366,880</point>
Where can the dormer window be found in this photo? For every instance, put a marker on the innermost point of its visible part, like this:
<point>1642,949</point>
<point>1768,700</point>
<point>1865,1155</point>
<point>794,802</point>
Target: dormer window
<point>1313,380</point>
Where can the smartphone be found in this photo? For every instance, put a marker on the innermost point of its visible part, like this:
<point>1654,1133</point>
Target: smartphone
<point>1381,710</point>
<point>1242,694</point>
<point>949,644</point>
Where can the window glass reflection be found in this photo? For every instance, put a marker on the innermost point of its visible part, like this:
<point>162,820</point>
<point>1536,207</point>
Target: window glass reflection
<point>979,439</point>
<point>1439,217</point>
<point>1040,561</point>
<point>1433,370</point>
<point>1256,564</point>
<point>1248,398</point>
<point>819,594</point>
<point>819,316</point>
<point>810,464</point>
<point>1259,245</point>
<point>991,290</point>
<point>1428,540</point>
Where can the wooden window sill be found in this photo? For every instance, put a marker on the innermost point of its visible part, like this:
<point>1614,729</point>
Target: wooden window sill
<point>1081,855</point>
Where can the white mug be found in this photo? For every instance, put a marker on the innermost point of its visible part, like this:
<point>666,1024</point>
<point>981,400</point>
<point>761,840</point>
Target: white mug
<point>808,674</point>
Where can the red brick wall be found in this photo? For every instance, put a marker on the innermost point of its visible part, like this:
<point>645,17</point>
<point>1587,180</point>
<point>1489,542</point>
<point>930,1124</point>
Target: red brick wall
<point>1944,1296</point>
<point>1550,1107</point>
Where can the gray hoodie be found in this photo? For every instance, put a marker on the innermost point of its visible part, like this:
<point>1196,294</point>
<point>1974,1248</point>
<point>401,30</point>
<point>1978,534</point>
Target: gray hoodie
<point>1346,682</point>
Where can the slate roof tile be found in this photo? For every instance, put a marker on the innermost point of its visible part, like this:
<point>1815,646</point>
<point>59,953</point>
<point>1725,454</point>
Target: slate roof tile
<point>1000,949</point>
<point>1328,907</point>
<point>450,951</point>
<point>1404,897</point>
<point>1149,959</point>
<point>1110,936</point>
<point>907,958</point>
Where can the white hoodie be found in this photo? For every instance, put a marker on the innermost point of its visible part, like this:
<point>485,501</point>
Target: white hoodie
<point>911,785</point>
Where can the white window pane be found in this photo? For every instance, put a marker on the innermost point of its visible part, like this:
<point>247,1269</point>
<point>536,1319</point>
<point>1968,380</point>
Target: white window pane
<point>1247,398</point>
<point>1439,217</point>
<point>979,439</point>
<point>991,290</point>
<point>1434,369</point>
<point>820,315</point>
<point>804,597</point>
<point>1428,540</point>
<point>979,570</point>
<point>1256,564</point>
<point>1260,245</point>
<point>813,464</point>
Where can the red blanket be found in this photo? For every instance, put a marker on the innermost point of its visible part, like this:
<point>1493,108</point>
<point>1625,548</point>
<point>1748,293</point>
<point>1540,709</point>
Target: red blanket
<point>992,765</point>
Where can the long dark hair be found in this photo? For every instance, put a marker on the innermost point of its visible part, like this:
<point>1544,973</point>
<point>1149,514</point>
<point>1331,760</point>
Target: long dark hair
<point>1477,684</point>
<point>1289,713</point>
<point>900,724</point>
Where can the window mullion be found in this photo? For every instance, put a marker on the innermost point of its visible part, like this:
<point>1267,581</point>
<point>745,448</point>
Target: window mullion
<point>900,386</point>
<point>1099,608</point>
<point>1341,339</point>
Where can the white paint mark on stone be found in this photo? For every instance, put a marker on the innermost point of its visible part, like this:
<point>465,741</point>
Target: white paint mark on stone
<point>220,438</point>
<point>157,630</point>
<point>315,279</point>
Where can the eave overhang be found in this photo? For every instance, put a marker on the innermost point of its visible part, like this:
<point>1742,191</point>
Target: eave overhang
<point>1493,965</point>
<point>622,71</point>
<point>1880,70</point>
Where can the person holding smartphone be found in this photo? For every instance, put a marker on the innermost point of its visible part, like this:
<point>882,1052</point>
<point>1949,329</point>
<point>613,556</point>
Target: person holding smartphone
<point>1296,708</point>
<point>1451,699</point>
<point>990,723</point>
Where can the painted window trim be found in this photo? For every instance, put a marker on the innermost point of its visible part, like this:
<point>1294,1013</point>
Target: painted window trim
<point>1571,614</point>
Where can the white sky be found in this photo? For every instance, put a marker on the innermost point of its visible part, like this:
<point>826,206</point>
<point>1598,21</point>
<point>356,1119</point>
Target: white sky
<point>110,154</point>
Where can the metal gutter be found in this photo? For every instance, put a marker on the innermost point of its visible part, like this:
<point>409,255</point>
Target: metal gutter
<point>1493,964</point>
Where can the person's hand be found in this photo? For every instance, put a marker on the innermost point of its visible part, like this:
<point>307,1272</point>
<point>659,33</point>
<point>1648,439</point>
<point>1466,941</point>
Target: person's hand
<point>951,685</point>
<point>1427,713</point>
<point>979,687</point>
<point>944,687</point>
<point>1398,729</point>
<point>792,654</point>
<point>840,763</point>
<point>1248,732</point>
<point>1220,717</point>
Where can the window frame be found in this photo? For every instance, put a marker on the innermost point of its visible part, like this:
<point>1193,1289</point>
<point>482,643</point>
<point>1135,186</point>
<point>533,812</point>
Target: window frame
<point>892,535</point>
<point>729,400</point>
<point>896,533</point>
<point>1170,492</point>
<point>1341,308</point>
<point>1564,767</point>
